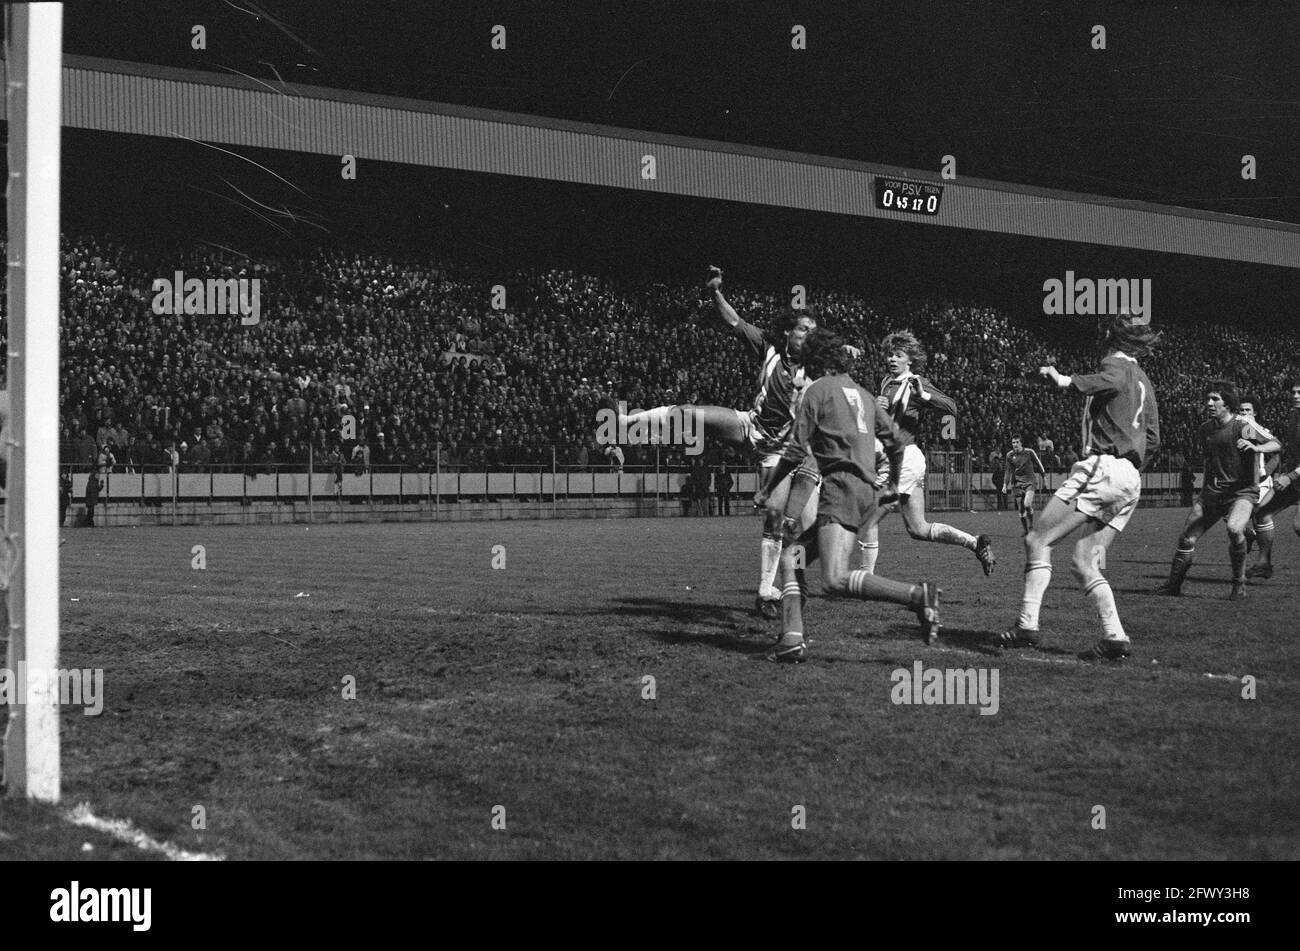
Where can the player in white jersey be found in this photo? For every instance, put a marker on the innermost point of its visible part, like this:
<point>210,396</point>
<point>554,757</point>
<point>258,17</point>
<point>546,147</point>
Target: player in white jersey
<point>903,394</point>
<point>1260,528</point>
<point>763,428</point>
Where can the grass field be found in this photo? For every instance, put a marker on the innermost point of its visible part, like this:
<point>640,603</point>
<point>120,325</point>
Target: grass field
<point>522,687</point>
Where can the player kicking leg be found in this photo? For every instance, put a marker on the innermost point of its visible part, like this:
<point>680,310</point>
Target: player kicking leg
<point>1102,489</point>
<point>762,428</point>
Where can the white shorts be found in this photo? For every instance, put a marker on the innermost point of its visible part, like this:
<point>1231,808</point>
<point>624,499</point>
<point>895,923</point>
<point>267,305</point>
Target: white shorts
<point>913,471</point>
<point>1103,487</point>
<point>759,439</point>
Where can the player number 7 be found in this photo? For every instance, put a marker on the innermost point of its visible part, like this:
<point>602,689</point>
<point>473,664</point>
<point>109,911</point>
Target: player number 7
<point>1142,402</point>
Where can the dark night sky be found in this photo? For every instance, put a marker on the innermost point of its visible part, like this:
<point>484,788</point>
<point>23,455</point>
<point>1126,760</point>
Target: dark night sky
<point>1013,90</point>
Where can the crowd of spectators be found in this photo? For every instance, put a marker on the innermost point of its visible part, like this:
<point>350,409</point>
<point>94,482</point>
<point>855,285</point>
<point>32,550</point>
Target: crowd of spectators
<point>414,351</point>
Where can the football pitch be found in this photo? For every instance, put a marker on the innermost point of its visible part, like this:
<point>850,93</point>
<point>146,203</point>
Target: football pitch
<point>386,692</point>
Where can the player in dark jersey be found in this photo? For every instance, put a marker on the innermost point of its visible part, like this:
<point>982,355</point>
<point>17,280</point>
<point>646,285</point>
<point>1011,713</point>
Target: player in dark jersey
<point>1260,527</point>
<point>1285,490</point>
<point>838,423</point>
<point>1024,472</point>
<point>903,394</point>
<point>762,428</point>
<point>1231,488</point>
<point>1121,432</point>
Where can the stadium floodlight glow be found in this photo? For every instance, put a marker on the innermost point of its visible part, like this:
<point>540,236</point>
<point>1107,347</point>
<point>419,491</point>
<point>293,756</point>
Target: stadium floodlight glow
<point>33,76</point>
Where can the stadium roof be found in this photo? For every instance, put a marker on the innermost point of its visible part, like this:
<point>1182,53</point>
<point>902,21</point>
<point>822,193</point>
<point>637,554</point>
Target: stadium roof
<point>1017,91</point>
<point>162,101</point>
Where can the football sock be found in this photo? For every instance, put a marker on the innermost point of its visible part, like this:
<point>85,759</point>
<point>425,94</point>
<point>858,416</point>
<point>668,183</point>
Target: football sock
<point>1038,575</point>
<point>792,605</point>
<point>1264,535</point>
<point>1237,554</point>
<point>947,535</point>
<point>1182,562</point>
<point>863,584</point>
<point>770,560</point>
<point>1103,599</point>
<point>869,551</point>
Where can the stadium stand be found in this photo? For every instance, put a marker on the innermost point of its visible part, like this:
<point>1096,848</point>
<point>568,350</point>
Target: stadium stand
<point>413,349</point>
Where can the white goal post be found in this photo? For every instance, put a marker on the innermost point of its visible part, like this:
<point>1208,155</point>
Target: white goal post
<point>33,78</point>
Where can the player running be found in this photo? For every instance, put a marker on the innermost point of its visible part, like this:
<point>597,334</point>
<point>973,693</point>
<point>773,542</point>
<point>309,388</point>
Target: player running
<point>1024,471</point>
<point>903,394</point>
<point>1260,527</point>
<point>1121,431</point>
<point>763,428</point>
<point>1231,488</point>
<point>1285,489</point>
<point>838,422</point>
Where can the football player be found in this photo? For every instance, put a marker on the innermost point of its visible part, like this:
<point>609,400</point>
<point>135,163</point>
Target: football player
<point>1022,466</point>
<point>763,427</point>
<point>1230,491</point>
<point>1285,488</point>
<point>1260,527</point>
<point>903,394</point>
<point>1121,432</point>
<point>837,423</point>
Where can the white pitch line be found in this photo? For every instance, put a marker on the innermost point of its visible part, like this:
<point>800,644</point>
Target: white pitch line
<point>123,831</point>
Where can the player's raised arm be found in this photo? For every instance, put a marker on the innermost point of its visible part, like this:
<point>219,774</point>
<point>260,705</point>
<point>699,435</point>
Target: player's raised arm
<point>728,313</point>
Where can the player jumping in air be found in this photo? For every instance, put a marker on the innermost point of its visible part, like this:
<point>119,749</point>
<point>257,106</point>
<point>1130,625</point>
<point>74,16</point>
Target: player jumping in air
<point>903,394</point>
<point>1285,489</point>
<point>1260,527</point>
<point>1024,471</point>
<point>1231,488</point>
<point>838,422</point>
<point>763,427</point>
<point>1121,431</point>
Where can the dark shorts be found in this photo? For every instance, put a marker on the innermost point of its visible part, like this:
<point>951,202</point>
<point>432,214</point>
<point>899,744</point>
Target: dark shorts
<point>1281,500</point>
<point>1217,505</point>
<point>845,500</point>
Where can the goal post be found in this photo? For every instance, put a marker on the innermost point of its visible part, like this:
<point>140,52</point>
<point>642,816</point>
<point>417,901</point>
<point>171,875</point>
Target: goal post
<point>30,441</point>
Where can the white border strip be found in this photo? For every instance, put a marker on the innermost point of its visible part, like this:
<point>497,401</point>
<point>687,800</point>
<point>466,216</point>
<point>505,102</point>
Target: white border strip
<point>123,831</point>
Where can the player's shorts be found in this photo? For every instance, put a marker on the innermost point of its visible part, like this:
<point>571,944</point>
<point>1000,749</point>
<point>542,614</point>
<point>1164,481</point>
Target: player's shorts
<point>765,443</point>
<point>1105,488</point>
<point>846,500</point>
<point>912,473</point>
<point>1218,505</point>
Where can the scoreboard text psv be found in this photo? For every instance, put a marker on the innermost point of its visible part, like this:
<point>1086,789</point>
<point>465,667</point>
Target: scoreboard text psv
<point>917,198</point>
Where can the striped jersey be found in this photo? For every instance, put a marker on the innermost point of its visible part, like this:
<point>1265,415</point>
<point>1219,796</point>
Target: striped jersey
<point>779,382</point>
<point>906,399</point>
<point>1120,415</point>
<point>1260,435</point>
